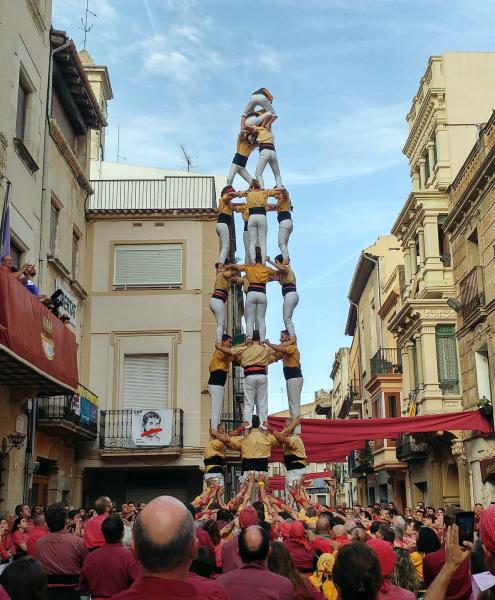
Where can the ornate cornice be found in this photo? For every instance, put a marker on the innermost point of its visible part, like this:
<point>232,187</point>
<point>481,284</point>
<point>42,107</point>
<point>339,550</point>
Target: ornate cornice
<point>35,12</point>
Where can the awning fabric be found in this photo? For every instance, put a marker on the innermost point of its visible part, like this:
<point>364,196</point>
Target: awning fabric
<point>328,440</point>
<point>36,349</point>
<point>277,482</point>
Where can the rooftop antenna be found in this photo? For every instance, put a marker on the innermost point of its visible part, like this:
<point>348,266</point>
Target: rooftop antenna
<point>187,160</point>
<point>84,22</point>
<point>119,156</point>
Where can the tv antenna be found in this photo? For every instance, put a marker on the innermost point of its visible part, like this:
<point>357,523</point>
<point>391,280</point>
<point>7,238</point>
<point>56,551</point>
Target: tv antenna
<point>119,156</point>
<point>84,22</point>
<point>187,160</point>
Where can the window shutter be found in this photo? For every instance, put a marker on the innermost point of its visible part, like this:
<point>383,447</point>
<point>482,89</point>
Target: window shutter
<point>148,265</point>
<point>146,381</point>
<point>448,374</point>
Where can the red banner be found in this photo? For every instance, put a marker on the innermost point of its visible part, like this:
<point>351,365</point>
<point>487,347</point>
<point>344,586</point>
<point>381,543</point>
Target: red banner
<point>328,440</point>
<point>277,482</point>
<point>36,336</point>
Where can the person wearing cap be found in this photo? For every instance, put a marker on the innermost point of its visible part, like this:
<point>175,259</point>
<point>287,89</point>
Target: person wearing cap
<point>386,558</point>
<point>300,547</point>
<point>219,369</point>
<point>260,98</point>
<point>230,550</point>
<point>245,145</point>
<point>224,222</point>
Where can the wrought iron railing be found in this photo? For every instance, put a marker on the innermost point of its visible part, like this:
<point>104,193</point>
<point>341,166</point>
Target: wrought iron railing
<point>408,450</point>
<point>472,292</point>
<point>230,422</point>
<point>66,408</point>
<point>386,360</point>
<point>116,430</point>
<point>449,386</point>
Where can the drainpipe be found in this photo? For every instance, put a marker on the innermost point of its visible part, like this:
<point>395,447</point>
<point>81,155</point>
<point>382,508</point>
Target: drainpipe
<point>44,181</point>
<point>377,265</point>
<point>360,358</point>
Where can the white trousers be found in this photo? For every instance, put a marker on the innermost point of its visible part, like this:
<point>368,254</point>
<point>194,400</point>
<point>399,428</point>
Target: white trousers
<point>268,157</point>
<point>255,311</point>
<point>255,394</point>
<point>223,233</point>
<point>285,228</point>
<point>217,307</point>
<point>261,100</point>
<point>294,389</point>
<point>216,401</point>
<point>294,477</point>
<point>245,239</point>
<point>242,171</point>
<point>291,300</point>
<point>257,228</point>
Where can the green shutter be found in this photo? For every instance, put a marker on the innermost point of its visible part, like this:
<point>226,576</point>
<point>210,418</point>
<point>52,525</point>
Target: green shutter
<point>448,372</point>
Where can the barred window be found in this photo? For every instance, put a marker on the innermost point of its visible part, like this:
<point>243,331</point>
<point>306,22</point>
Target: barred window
<point>448,372</point>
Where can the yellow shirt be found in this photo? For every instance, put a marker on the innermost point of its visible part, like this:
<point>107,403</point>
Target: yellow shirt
<point>292,357</point>
<point>244,148</point>
<point>256,354</point>
<point>254,445</point>
<point>244,210</point>
<point>220,361</point>
<point>311,521</point>
<point>417,559</point>
<point>295,447</point>
<point>222,280</point>
<point>287,276</point>
<point>265,136</point>
<point>224,206</point>
<point>257,273</point>
<point>258,198</point>
<point>283,203</point>
<point>214,448</point>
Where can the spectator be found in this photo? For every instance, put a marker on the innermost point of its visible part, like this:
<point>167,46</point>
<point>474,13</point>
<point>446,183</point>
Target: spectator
<point>61,554</point>
<point>322,542</point>
<point>165,544</point>
<point>93,536</point>
<point>387,534</point>
<point>20,537</point>
<point>300,548</point>
<point>356,573</point>
<point>427,542</point>
<point>252,579</point>
<point>322,577</point>
<point>230,550</point>
<point>460,584</point>
<point>386,558</point>
<point>404,574</point>
<point>140,506</point>
<point>200,573</point>
<point>75,523</point>
<point>23,510</point>
<point>280,562</point>
<point>39,530</point>
<point>201,535</point>
<point>24,580</point>
<point>112,568</point>
<point>359,535</point>
<point>204,563</point>
<point>6,263</point>
<point>7,549</point>
<point>340,535</point>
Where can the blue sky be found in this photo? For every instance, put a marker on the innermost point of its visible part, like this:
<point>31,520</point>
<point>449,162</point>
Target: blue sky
<point>343,73</point>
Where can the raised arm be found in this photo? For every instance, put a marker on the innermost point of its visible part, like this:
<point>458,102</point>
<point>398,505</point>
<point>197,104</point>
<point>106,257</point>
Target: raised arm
<point>291,426</point>
<point>223,437</point>
<point>224,349</point>
<point>281,268</point>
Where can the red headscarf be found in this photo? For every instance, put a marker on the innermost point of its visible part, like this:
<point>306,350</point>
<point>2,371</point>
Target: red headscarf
<point>386,557</point>
<point>487,528</point>
<point>298,534</point>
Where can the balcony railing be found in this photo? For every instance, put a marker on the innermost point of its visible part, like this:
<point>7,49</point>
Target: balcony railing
<point>116,431</point>
<point>449,386</point>
<point>408,450</point>
<point>230,422</point>
<point>385,361</point>
<point>69,415</point>
<point>472,292</point>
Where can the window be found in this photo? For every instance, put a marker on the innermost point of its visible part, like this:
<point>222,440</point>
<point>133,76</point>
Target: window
<point>448,373</point>
<point>146,381</point>
<point>22,98</point>
<point>53,228</point>
<point>75,242</point>
<point>16,252</point>
<point>415,365</point>
<point>443,241</point>
<point>148,266</point>
<point>393,409</point>
<point>58,112</point>
<point>473,250</point>
<point>482,362</point>
<point>435,151</point>
<point>427,166</point>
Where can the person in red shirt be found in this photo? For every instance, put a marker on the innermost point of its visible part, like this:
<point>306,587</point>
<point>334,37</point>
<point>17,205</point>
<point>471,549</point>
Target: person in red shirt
<point>24,512</point>
<point>387,558</point>
<point>300,548</point>
<point>93,536</point>
<point>112,568</point>
<point>165,543</point>
<point>230,550</point>
<point>38,531</point>
<point>200,573</point>
<point>20,536</point>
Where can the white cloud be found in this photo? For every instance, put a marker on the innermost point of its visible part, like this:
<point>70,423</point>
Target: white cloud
<point>172,64</point>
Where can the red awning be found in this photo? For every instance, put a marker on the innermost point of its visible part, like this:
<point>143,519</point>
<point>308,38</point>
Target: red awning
<point>37,350</point>
<point>277,482</point>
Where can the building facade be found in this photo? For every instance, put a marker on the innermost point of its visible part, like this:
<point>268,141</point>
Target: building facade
<point>470,225</point>
<point>455,95</point>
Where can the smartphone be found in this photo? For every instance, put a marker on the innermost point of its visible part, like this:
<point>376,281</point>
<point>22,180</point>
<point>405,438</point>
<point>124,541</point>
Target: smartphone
<point>465,521</point>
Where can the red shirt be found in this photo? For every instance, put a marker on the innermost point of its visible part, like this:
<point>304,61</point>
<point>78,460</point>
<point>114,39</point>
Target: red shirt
<point>61,553</point>
<point>255,581</point>
<point>323,544</point>
<point>230,555</point>
<point>208,589</point>
<point>18,538</point>
<point>303,559</point>
<point>204,539</point>
<point>33,537</point>
<point>395,593</point>
<point>157,588</point>
<point>460,585</point>
<point>93,536</point>
<point>109,570</point>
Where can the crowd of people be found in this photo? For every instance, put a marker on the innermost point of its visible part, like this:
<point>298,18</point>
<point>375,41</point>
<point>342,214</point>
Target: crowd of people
<point>252,546</point>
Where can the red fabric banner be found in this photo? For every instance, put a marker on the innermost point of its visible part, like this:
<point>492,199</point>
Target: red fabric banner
<point>277,482</point>
<point>333,439</point>
<point>34,334</point>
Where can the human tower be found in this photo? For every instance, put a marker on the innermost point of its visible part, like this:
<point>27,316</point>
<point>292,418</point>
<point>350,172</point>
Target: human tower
<point>257,352</point>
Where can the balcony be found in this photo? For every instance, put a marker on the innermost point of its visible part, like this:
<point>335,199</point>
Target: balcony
<point>116,434</point>
<point>230,422</point>
<point>361,462</point>
<point>69,416</point>
<point>386,361</point>
<point>472,294</point>
<point>408,450</point>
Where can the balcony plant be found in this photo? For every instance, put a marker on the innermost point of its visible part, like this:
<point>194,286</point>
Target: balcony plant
<point>485,407</point>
